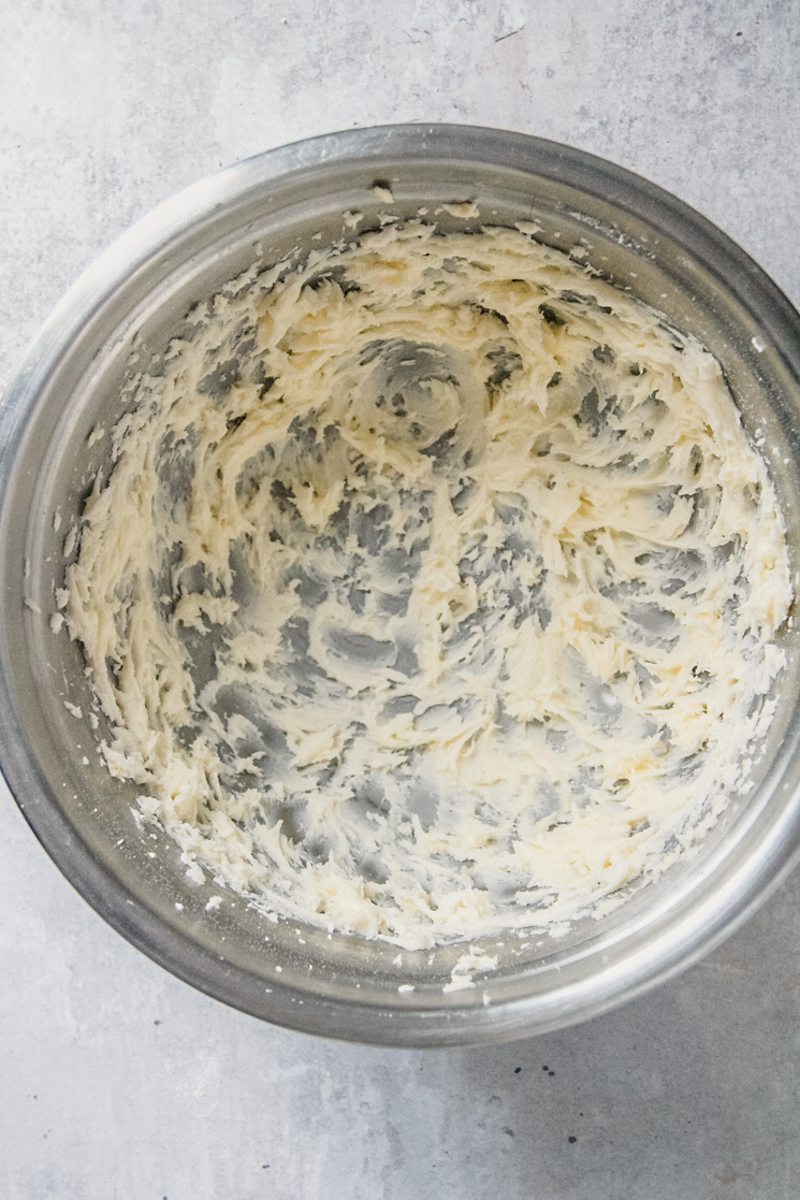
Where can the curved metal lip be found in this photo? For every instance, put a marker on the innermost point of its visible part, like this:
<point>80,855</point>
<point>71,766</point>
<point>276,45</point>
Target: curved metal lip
<point>717,906</point>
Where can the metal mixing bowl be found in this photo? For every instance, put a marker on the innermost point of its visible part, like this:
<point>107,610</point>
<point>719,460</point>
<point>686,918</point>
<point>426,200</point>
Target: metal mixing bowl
<point>134,297</point>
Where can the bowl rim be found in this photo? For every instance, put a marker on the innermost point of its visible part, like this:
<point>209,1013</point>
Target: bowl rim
<point>725,901</point>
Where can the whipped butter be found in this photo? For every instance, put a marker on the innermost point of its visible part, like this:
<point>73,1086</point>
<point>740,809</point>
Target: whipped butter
<point>432,589</point>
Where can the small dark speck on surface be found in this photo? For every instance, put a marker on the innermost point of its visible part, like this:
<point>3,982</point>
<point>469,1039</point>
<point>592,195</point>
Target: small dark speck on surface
<point>508,1131</point>
<point>517,1070</point>
<point>156,1022</point>
<point>551,1074</point>
<point>572,1139</point>
<point>265,1166</point>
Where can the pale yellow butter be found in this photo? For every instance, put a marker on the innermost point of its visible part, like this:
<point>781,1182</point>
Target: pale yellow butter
<point>433,589</point>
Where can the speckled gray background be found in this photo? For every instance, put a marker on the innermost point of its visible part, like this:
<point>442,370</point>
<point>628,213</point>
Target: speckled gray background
<point>116,1081</point>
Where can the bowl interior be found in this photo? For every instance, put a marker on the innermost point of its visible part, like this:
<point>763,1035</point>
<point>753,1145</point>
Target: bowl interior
<point>124,313</point>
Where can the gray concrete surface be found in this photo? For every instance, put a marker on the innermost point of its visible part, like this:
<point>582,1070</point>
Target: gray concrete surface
<point>116,1081</point>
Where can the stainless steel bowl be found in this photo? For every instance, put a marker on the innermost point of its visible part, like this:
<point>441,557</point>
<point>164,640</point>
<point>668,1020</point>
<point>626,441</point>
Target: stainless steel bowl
<point>133,299</point>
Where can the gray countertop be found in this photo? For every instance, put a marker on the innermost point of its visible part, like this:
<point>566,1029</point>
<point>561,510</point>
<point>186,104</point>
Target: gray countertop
<point>117,1080</point>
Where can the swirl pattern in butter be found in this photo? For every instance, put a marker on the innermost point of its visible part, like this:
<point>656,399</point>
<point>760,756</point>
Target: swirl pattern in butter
<point>432,590</point>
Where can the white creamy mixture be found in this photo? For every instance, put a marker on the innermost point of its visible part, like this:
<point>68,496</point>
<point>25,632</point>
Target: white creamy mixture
<point>432,590</point>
